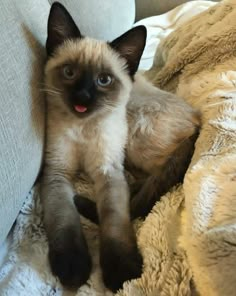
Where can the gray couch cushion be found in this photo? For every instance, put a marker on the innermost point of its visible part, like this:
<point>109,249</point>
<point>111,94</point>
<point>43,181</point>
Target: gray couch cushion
<point>22,112</point>
<point>104,19</point>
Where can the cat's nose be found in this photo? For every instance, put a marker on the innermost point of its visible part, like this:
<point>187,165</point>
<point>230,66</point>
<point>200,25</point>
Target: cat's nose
<point>83,96</point>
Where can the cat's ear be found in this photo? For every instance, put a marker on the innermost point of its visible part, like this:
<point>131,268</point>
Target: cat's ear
<point>60,27</point>
<point>130,46</point>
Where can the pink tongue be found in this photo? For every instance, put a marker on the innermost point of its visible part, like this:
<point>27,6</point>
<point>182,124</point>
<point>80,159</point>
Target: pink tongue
<point>80,108</point>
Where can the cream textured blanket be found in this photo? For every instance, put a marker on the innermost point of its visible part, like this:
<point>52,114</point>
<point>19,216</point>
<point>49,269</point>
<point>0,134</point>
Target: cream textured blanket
<point>187,245</point>
<point>198,62</point>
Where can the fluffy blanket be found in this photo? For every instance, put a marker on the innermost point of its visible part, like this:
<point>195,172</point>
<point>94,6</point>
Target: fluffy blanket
<point>198,62</point>
<point>186,245</point>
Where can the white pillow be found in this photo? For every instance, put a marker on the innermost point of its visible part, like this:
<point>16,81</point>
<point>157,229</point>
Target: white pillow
<point>158,27</point>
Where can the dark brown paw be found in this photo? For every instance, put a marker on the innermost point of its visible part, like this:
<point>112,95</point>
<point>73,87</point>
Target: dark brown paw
<point>119,263</point>
<point>70,260</point>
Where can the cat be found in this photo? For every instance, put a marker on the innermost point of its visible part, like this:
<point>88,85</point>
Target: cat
<point>88,84</point>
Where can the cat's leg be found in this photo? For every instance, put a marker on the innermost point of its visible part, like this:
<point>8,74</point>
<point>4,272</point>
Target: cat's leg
<point>68,252</point>
<point>119,255</point>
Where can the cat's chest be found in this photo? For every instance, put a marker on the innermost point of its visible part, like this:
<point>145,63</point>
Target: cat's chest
<point>98,145</point>
<point>84,140</point>
<point>77,135</point>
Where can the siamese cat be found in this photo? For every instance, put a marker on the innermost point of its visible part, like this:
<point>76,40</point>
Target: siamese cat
<point>89,128</point>
<point>88,86</point>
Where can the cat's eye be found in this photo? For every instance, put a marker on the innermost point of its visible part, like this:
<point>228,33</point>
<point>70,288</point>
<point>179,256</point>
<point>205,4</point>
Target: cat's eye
<point>68,72</point>
<point>104,80</point>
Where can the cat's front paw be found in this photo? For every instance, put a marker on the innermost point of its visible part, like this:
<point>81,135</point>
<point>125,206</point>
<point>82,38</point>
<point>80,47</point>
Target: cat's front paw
<point>119,263</point>
<point>70,260</point>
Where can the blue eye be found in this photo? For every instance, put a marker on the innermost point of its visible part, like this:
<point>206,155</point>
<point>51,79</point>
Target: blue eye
<point>104,80</point>
<point>68,72</point>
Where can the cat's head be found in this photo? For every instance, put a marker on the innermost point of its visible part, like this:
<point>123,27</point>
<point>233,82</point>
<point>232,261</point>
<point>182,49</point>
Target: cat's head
<point>86,74</point>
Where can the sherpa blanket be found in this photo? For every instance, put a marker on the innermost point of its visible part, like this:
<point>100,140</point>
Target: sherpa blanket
<point>188,241</point>
<point>198,62</point>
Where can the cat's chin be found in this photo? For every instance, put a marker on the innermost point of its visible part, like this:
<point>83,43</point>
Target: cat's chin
<point>82,114</point>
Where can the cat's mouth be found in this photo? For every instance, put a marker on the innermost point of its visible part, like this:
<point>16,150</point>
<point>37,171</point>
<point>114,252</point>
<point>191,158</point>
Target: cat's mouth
<point>80,108</point>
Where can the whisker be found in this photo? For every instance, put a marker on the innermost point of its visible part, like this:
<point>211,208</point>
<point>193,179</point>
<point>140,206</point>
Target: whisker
<point>44,85</point>
<point>50,91</point>
<point>109,107</point>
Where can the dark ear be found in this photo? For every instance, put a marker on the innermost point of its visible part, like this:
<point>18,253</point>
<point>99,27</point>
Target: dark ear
<point>130,46</point>
<point>60,27</point>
